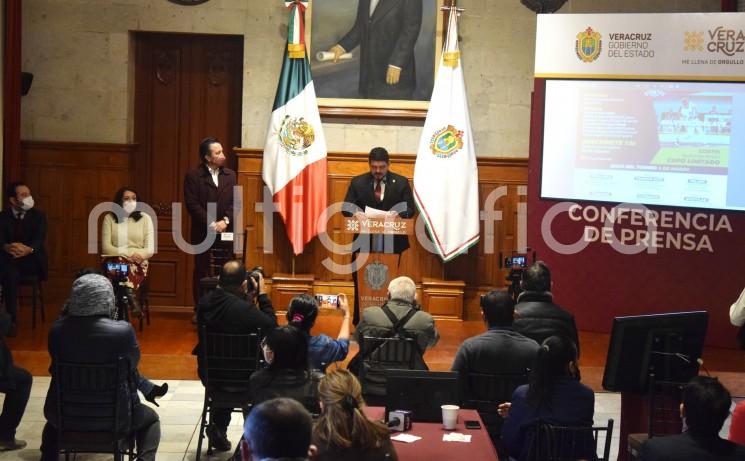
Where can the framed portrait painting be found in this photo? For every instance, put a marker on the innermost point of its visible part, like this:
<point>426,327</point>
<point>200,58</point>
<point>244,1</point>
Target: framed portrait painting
<point>374,57</point>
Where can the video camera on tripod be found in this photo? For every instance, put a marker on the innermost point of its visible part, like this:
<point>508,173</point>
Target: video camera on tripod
<point>516,264</point>
<point>117,273</point>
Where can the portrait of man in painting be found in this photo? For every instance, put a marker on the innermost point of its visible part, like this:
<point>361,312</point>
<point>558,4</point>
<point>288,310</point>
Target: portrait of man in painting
<point>374,49</point>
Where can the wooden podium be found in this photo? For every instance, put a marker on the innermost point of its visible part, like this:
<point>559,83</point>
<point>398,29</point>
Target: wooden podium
<point>376,270</point>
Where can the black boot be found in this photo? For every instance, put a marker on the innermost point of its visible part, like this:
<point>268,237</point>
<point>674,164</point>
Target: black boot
<point>134,303</point>
<point>155,392</point>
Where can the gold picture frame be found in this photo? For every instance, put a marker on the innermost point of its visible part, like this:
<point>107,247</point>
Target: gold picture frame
<point>337,84</point>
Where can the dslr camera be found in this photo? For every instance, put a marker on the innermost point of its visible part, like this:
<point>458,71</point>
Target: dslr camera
<point>254,276</point>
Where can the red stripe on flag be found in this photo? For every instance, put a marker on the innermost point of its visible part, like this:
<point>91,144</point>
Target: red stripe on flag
<point>302,205</point>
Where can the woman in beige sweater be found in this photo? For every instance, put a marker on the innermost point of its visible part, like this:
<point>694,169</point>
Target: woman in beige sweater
<point>128,239</point>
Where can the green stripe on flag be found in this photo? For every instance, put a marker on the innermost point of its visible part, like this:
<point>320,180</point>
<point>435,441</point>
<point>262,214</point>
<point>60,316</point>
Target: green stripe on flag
<point>293,79</point>
<point>291,26</point>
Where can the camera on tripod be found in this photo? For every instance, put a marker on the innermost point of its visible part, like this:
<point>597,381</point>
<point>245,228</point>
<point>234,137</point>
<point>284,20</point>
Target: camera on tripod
<point>116,271</point>
<point>516,265</point>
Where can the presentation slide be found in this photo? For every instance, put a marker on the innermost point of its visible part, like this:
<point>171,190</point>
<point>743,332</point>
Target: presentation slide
<point>654,143</point>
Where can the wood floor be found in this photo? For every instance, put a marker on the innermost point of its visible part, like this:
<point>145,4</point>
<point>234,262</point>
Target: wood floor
<point>167,343</point>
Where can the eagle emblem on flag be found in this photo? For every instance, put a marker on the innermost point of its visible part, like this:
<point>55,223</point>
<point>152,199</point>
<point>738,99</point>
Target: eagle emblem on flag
<point>296,135</point>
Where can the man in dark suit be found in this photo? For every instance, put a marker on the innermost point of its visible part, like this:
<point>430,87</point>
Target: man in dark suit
<point>704,409</point>
<point>386,32</point>
<point>383,190</point>
<point>23,230</point>
<point>210,182</point>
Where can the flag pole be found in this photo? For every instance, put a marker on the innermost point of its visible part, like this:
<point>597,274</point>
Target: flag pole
<point>293,265</point>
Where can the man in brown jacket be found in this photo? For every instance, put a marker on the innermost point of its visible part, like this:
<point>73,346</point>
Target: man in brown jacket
<point>210,182</point>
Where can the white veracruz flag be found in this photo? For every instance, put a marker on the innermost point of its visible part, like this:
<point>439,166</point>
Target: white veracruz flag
<point>446,175</point>
<point>294,166</point>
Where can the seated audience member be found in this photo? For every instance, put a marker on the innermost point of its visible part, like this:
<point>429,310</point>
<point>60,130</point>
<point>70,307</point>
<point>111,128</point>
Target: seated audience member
<point>15,383</point>
<point>23,230</point>
<point>88,334</point>
<point>536,315</point>
<point>500,350</point>
<point>128,239</point>
<point>286,351</point>
<point>553,395</point>
<point>737,424</point>
<point>278,429</point>
<point>737,311</point>
<point>400,315</point>
<point>149,389</point>
<point>704,409</point>
<point>227,309</point>
<point>322,350</point>
<point>343,432</point>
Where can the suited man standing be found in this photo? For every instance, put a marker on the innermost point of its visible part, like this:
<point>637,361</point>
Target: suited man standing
<point>383,190</point>
<point>210,182</point>
<point>23,230</point>
<point>386,32</point>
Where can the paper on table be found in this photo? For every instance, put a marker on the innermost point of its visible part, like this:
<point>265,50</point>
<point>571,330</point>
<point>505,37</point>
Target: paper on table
<point>408,438</point>
<point>375,213</point>
<point>456,437</point>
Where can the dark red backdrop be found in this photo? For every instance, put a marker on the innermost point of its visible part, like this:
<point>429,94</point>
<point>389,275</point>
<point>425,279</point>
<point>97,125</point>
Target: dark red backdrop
<point>599,283</point>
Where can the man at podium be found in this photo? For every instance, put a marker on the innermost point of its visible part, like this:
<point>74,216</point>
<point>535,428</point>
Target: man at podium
<point>380,190</point>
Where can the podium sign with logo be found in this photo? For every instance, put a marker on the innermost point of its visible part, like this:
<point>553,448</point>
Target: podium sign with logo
<point>376,270</point>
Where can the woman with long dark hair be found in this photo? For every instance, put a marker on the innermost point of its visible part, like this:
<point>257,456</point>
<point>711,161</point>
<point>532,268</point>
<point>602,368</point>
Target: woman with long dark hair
<point>343,432</point>
<point>553,395</point>
<point>322,349</point>
<point>127,237</point>
<point>285,351</point>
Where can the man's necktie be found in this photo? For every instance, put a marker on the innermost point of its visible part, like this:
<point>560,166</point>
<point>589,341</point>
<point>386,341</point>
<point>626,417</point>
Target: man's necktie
<point>378,191</point>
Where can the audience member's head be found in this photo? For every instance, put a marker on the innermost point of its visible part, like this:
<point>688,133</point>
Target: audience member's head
<point>498,308</point>
<point>537,277</point>
<point>91,295</point>
<point>402,288</point>
<point>556,359</point>
<point>286,347</point>
<point>205,149</point>
<point>232,277</point>
<point>343,423</point>
<point>278,429</point>
<point>302,312</point>
<point>18,194</point>
<point>705,406</point>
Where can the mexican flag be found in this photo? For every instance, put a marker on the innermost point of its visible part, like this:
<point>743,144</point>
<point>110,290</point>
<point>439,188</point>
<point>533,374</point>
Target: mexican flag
<point>445,174</point>
<point>294,166</point>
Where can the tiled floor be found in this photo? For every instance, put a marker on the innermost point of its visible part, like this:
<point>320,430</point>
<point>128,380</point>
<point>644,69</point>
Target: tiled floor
<point>179,416</point>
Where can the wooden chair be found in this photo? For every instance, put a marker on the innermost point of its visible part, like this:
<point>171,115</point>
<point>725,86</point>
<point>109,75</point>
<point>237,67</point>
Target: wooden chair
<point>226,364</point>
<point>94,408</point>
<point>570,443</point>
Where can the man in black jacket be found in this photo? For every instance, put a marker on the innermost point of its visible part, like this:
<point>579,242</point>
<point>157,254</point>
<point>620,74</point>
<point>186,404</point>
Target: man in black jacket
<point>500,350</point>
<point>704,409</point>
<point>228,309</point>
<point>536,315</point>
<point>15,383</point>
<point>23,230</point>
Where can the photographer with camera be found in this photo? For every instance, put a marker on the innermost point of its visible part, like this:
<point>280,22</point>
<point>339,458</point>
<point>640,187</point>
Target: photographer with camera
<point>231,309</point>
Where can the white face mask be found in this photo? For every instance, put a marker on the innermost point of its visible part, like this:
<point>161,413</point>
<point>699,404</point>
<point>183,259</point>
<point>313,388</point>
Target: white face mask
<point>129,206</point>
<point>27,203</point>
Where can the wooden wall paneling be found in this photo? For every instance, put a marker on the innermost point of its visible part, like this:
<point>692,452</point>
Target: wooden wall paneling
<point>68,180</point>
<point>479,271</point>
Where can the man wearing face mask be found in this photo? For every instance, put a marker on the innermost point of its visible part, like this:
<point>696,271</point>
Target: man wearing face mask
<point>228,309</point>
<point>23,230</point>
<point>210,182</point>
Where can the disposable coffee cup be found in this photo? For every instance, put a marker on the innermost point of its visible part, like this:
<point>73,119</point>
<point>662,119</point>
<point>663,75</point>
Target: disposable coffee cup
<point>449,416</point>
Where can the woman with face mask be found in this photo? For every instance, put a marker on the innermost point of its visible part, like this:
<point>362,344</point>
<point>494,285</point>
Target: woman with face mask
<point>127,239</point>
<point>288,373</point>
